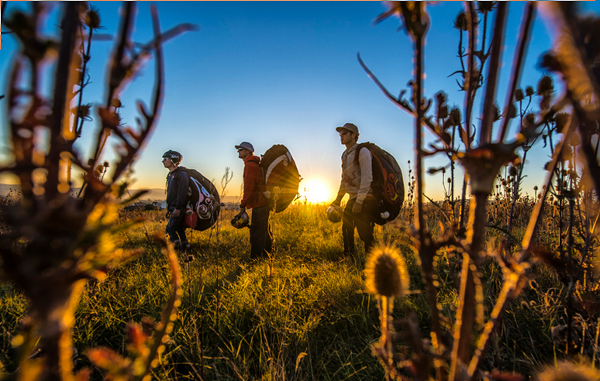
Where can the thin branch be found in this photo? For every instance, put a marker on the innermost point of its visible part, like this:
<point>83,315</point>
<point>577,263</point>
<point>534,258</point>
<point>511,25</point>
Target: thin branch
<point>497,42</point>
<point>518,63</point>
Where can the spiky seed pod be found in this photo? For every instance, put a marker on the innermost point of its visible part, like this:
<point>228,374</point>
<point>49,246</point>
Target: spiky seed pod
<point>106,164</point>
<point>485,6</point>
<point>92,19</point>
<point>529,91</point>
<point>519,96</point>
<point>460,22</point>
<point>535,188</point>
<point>386,273</point>
<point>455,116</point>
<point>443,112</point>
<point>545,85</point>
<point>513,171</point>
<point>568,371</point>
<point>116,103</point>
<point>529,120</point>
<point>440,97</point>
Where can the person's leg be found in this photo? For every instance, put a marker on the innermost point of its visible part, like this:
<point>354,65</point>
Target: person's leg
<point>181,233</point>
<point>176,230</point>
<point>364,224</point>
<point>171,229</point>
<point>258,231</point>
<point>348,228</point>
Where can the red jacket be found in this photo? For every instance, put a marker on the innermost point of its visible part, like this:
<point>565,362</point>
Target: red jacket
<point>253,184</point>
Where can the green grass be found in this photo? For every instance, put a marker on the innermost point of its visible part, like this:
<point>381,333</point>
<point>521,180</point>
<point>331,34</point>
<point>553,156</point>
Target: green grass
<point>300,316</point>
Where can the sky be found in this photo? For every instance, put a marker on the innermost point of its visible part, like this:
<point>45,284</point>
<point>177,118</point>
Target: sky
<point>285,73</point>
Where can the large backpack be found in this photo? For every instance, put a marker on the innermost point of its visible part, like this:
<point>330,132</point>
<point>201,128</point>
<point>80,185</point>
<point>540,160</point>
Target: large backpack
<point>203,204</point>
<point>387,185</point>
<point>280,171</point>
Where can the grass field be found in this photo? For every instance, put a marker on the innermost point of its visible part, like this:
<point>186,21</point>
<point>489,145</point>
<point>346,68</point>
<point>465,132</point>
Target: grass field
<point>301,315</point>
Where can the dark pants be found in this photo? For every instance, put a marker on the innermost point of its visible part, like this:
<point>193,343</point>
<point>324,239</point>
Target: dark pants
<point>363,222</point>
<point>176,228</point>
<point>260,233</point>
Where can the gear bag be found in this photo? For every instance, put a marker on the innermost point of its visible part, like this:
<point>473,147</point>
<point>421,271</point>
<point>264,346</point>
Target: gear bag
<point>387,185</point>
<point>203,204</point>
<point>281,177</point>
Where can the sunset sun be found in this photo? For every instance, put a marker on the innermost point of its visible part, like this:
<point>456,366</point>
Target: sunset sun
<point>316,191</point>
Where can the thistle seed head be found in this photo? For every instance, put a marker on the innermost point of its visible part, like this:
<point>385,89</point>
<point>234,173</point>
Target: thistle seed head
<point>461,21</point>
<point>386,273</point>
<point>545,85</point>
<point>568,371</point>
<point>529,91</point>
<point>519,96</point>
<point>455,116</point>
<point>92,19</point>
<point>485,6</point>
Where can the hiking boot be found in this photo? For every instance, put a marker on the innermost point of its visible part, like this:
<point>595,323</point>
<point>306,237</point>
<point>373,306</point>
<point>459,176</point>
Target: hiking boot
<point>176,244</point>
<point>185,245</point>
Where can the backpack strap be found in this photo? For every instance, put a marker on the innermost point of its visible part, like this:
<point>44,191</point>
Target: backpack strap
<point>358,148</point>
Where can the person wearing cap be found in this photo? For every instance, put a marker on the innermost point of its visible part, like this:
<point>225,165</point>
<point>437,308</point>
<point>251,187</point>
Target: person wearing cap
<point>357,176</point>
<point>254,198</point>
<point>177,193</point>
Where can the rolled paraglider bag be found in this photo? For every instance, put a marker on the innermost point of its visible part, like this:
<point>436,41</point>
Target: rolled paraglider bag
<point>282,178</point>
<point>204,203</point>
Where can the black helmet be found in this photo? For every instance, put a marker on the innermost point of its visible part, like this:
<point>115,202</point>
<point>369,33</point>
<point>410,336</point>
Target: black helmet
<point>334,213</point>
<point>241,220</point>
<point>174,156</point>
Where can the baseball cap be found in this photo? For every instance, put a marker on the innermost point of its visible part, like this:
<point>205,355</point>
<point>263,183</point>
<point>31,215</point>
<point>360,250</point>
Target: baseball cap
<point>348,126</point>
<point>245,145</point>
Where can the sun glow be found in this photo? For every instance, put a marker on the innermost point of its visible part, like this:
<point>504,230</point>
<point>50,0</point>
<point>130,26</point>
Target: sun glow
<point>315,191</point>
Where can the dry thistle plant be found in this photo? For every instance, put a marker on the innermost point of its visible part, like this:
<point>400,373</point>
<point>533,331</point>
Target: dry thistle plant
<point>54,242</point>
<point>457,345</point>
<point>386,277</point>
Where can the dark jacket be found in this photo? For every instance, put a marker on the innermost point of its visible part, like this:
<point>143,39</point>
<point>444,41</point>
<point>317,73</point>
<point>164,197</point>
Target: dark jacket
<point>253,184</point>
<point>177,189</point>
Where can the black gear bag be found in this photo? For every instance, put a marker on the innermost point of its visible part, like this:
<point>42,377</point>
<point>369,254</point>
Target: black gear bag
<point>387,185</point>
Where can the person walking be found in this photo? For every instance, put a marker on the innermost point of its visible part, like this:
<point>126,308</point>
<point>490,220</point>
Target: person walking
<point>177,193</point>
<point>357,176</point>
<point>261,243</point>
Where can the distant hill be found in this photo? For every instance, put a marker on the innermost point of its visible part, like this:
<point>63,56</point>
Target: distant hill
<point>155,194</point>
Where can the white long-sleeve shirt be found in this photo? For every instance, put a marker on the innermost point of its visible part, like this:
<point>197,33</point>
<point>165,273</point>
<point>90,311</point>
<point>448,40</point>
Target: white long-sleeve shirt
<point>356,177</point>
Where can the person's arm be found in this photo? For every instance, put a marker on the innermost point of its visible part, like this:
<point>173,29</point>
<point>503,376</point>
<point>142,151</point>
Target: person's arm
<point>183,183</point>
<point>341,192</point>
<point>366,175</point>
<point>250,179</point>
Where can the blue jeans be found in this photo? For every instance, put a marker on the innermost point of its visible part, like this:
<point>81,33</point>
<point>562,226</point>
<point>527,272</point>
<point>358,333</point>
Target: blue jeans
<point>176,228</point>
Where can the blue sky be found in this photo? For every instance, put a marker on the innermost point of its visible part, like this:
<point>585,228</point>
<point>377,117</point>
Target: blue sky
<point>285,73</point>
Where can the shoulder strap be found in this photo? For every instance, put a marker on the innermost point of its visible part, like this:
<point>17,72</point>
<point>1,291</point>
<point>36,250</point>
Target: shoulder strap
<point>358,148</point>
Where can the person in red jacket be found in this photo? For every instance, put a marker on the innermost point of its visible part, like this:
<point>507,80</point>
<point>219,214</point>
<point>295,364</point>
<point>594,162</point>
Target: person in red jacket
<point>254,198</point>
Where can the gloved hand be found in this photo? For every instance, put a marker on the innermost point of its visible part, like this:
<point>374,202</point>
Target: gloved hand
<point>357,208</point>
